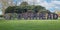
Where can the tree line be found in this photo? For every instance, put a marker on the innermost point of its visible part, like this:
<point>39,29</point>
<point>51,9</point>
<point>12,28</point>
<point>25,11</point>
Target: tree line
<point>24,7</point>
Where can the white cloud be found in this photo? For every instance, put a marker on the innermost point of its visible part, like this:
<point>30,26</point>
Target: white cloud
<point>52,4</point>
<point>40,2</point>
<point>56,2</point>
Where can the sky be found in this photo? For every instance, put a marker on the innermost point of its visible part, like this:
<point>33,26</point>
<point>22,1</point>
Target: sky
<point>51,5</point>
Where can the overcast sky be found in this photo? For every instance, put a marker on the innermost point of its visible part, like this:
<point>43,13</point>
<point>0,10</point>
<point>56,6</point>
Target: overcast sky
<point>48,4</point>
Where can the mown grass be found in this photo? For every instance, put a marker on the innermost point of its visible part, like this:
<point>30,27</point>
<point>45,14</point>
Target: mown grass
<point>29,24</point>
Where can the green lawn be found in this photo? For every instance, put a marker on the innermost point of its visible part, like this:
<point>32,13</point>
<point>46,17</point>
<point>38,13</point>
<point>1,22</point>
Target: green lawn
<point>29,24</point>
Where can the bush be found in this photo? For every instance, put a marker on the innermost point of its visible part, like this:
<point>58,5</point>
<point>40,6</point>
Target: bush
<point>1,15</point>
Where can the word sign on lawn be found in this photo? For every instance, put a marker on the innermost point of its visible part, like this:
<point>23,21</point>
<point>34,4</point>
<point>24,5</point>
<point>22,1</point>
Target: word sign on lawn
<point>32,16</point>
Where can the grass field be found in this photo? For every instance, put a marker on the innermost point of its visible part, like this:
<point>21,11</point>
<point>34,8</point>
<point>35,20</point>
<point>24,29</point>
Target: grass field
<point>29,24</point>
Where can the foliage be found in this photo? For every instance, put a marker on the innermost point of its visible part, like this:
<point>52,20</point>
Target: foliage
<point>24,7</point>
<point>10,9</point>
<point>24,4</point>
<point>39,8</point>
<point>1,15</point>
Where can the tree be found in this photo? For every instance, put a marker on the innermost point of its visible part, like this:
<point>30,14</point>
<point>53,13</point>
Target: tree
<point>5,4</point>
<point>10,9</point>
<point>18,9</point>
<point>24,6</point>
<point>39,8</point>
<point>46,11</point>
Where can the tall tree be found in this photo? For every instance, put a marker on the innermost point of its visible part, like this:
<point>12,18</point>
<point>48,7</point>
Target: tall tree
<point>5,4</point>
<point>39,8</point>
<point>24,6</point>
